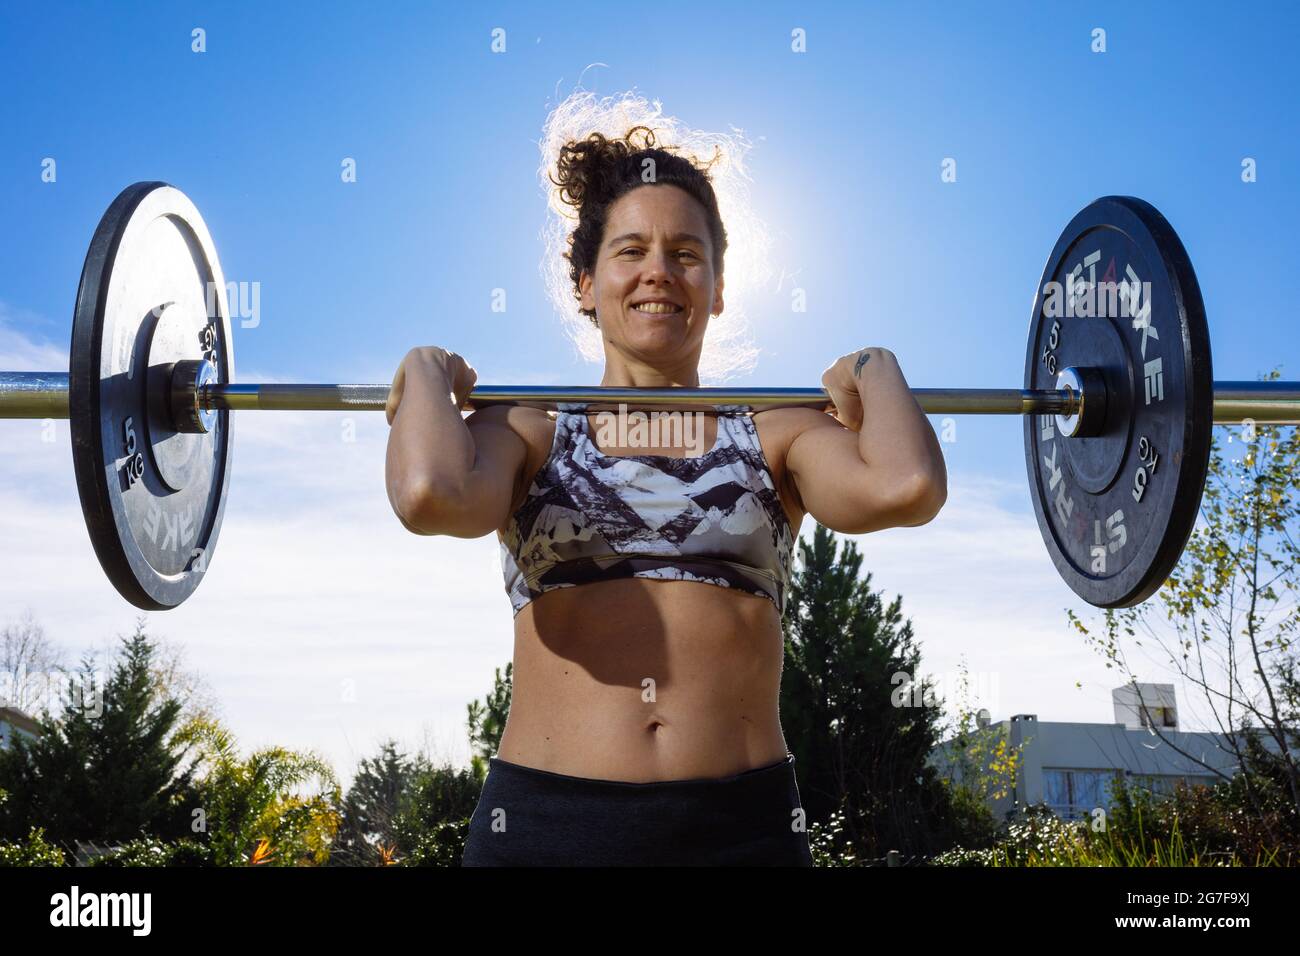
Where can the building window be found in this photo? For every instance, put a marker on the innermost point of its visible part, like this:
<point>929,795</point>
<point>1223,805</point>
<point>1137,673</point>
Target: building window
<point>1165,784</point>
<point>1074,794</point>
<point>1157,717</point>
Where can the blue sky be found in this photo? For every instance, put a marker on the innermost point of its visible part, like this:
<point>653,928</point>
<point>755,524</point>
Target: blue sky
<point>848,140</point>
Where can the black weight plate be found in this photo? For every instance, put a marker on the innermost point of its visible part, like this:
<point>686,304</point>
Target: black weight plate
<point>153,499</point>
<point>1115,510</point>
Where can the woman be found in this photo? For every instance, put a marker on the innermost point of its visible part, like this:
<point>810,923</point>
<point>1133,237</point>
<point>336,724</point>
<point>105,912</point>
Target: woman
<point>647,583</point>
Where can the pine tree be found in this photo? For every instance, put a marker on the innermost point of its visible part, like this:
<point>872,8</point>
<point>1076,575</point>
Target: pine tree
<point>855,710</point>
<point>487,722</point>
<point>105,769</point>
<point>369,813</point>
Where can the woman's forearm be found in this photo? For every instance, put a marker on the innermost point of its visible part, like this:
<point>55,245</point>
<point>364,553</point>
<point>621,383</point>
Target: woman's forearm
<point>430,449</point>
<point>896,439</point>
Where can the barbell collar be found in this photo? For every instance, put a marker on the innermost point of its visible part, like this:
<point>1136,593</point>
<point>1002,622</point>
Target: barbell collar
<point>189,378</point>
<point>1088,418</point>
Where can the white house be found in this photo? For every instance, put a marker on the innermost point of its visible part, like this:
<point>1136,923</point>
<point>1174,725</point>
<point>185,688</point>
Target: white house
<point>14,721</point>
<point>1068,765</point>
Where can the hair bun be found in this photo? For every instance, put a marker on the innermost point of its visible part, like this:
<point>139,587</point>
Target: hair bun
<point>591,168</point>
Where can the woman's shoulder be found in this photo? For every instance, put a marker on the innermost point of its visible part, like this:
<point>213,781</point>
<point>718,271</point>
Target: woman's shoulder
<point>532,425</point>
<point>535,427</point>
<point>783,424</point>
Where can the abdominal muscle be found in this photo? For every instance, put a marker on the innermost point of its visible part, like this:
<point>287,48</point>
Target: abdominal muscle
<point>644,680</point>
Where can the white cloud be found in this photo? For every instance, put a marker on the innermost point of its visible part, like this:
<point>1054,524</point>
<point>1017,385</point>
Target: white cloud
<point>20,352</point>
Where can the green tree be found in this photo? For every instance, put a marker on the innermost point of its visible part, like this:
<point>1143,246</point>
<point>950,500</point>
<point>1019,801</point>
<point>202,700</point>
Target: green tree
<point>412,813</point>
<point>251,810</point>
<point>979,766</point>
<point>487,722</point>
<point>368,834</point>
<point>108,767</point>
<point>434,818</point>
<point>856,712</point>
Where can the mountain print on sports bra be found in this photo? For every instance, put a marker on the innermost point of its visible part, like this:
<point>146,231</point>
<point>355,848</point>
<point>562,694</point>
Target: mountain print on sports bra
<point>716,519</point>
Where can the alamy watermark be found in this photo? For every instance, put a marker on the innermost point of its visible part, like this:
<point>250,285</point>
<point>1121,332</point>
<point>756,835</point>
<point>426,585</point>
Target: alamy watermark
<point>1084,298</point>
<point>656,429</point>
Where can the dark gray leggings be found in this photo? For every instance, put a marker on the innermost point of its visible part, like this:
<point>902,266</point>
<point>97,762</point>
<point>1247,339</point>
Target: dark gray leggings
<point>530,817</point>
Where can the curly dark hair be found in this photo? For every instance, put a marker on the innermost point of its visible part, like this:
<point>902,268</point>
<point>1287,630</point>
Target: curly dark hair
<point>595,172</point>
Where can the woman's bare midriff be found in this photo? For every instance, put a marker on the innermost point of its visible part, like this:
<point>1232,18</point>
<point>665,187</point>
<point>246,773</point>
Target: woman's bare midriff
<point>644,680</point>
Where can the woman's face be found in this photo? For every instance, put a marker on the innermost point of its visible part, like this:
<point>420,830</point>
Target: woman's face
<point>656,247</point>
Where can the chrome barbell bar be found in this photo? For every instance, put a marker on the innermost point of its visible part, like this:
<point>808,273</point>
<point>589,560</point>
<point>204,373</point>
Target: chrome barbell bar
<point>45,395</point>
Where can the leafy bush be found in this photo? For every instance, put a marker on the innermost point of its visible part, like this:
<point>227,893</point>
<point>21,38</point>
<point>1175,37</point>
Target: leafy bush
<point>442,844</point>
<point>830,843</point>
<point>1215,823</point>
<point>1193,826</point>
<point>149,851</point>
<point>34,852</point>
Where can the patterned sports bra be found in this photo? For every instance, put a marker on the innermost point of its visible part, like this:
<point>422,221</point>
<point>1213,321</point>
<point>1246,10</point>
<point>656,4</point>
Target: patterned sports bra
<point>716,518</point>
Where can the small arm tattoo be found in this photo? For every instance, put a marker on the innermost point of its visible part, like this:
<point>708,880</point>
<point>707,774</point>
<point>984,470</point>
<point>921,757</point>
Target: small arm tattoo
<point>863,358</point>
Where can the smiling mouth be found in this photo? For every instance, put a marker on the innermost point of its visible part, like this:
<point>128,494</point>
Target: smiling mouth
<point>657,308</point>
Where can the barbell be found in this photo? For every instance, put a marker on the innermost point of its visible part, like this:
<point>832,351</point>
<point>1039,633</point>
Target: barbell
<point>1118,398</point>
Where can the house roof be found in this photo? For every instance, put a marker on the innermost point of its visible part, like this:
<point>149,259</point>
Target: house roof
<point>16,718</point>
